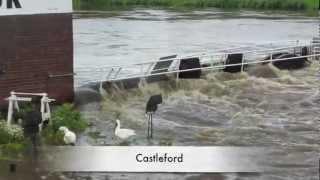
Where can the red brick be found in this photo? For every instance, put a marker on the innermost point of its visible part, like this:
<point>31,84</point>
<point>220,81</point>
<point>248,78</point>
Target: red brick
<point>31,48</point>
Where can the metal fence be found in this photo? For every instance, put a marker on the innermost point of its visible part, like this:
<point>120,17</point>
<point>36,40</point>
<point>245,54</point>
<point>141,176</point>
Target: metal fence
<point>213,60</point>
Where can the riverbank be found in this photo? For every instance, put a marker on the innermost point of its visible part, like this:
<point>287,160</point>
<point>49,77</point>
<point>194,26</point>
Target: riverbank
<point>294,5</point>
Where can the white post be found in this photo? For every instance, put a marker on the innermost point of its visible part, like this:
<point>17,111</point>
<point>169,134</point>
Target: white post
<point>211,62</point>
<point>312,50</point>
<point>10,110</point>
<point>46,108</point>
<point>143,79</point>
<point>48,113</point>
<point>43,107</point>
<point>179,62</point>
<point>141,69</point>
<point>242,63</point>
<point>16,106</point>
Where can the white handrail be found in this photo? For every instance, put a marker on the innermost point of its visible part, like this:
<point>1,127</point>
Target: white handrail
<point>44,104</point>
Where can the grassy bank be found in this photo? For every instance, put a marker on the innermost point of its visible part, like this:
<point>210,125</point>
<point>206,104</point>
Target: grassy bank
<point>301,5</point>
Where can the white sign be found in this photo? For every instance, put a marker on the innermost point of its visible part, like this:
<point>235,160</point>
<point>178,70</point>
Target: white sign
<point>25,7</point>
<point>154,159</point>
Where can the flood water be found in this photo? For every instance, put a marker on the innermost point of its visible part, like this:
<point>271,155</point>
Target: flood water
<point>263,107</point>
<point>142,35</point>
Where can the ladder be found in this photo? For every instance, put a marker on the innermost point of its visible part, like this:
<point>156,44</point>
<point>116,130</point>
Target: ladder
<point>316,44</point>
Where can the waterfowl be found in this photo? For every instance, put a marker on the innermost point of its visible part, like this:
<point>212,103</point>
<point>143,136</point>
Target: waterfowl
<point>70,137</point>
<point>123,133</point>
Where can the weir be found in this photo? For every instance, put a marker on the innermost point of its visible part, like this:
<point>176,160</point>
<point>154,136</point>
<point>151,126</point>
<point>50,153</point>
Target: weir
<point>291,55</point>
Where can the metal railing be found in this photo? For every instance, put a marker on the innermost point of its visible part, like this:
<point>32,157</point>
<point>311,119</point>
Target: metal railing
<point>214,61</point>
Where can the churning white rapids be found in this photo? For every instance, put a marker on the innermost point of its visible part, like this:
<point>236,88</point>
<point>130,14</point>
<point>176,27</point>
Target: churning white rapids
<point>272,108</point>
<point>262,107</point>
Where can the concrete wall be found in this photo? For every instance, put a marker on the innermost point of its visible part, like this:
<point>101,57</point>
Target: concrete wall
<point>36,55</point>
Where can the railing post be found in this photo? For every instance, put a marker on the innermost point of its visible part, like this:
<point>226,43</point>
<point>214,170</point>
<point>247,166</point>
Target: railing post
<point>109,74</point>
<point>312,51</point>
<point>179,62</point>
<point>118,72</point>
<point>211,62</point>
<point>142,73</point>
<point>141,69</point>
<point>243,58</point>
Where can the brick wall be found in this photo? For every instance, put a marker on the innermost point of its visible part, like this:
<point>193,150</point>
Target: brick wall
<point>35,50</point>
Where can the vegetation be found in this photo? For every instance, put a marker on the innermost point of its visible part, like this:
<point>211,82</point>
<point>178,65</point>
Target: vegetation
<point>12,142</point>
<point>64,115</point>
<point>10,134</point>
<point>302,5</point>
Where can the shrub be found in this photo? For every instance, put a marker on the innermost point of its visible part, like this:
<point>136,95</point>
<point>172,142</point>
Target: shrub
<point>67,116</point>
<point>252,4</point>
<point>12,142</point>
<point>52,137</point>
<point>10,134</point>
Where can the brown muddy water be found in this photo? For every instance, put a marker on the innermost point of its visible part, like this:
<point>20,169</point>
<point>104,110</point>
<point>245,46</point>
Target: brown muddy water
<point>122,38</point>
<point>280,112</point>
<point>262,107</point>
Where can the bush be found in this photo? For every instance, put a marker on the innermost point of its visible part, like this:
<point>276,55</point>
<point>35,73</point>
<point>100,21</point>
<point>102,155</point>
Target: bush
<point>10,134</point>
<point>12,142</point>
<point>52,137</point>
<point>67,116</point>
<point>252,4</point>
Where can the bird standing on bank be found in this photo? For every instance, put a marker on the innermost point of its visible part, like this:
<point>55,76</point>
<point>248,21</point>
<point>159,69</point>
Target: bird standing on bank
<point>70,137</point>
<point>123,133</point>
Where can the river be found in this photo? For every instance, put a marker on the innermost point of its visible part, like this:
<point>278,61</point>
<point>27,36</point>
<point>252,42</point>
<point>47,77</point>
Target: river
<point>264,107</point>
<point>142,35</point>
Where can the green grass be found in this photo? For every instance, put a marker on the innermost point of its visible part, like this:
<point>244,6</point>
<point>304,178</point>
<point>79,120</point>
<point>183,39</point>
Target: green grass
<point>301,5</point>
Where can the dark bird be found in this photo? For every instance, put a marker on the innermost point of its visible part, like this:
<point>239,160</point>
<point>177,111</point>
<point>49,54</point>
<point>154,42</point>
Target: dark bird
<point>152,104</point>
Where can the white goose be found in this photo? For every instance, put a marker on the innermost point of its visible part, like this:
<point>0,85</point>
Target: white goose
<point>123,133</point>
<point>70,137</point>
